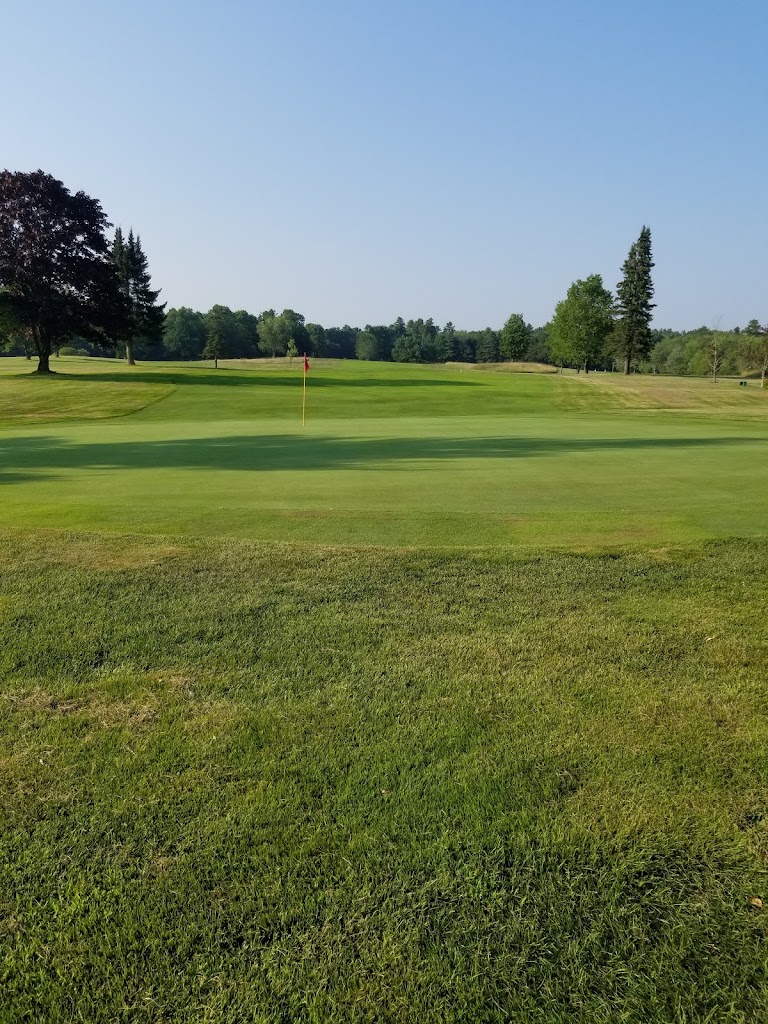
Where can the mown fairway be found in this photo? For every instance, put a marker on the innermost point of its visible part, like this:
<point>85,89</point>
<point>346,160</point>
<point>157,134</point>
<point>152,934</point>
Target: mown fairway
<point>396,455</point>
<point>365,774</point>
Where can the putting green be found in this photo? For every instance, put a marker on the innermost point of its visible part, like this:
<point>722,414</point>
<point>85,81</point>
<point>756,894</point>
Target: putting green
<point>391,454</point>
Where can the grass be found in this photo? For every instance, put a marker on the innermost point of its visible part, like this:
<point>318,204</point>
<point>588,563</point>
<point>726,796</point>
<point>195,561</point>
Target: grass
<point>26,398</point>
<point>246,782</point>
<point>450,708</point>
<point>393,455</point>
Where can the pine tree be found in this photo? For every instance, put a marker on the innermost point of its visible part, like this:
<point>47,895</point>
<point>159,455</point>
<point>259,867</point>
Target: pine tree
<point>487,347</point>
<point>147,314</point>
<point>449,344</point>
<point>633,336</point>
<point>218,325</point>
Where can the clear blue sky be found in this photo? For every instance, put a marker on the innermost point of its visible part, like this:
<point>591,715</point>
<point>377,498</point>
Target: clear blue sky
<point>357,161</point>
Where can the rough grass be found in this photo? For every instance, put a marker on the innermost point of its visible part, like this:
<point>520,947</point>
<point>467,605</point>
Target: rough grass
<point>691,394</point>
<point>269,783</point>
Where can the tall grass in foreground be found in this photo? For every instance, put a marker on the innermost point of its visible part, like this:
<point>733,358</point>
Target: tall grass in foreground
<point>265,783</point>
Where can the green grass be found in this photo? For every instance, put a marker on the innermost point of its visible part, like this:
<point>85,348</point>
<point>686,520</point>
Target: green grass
<point>449,708</point>
<point>392,455</point>
<point>246,782</point>
<point>26,398</point>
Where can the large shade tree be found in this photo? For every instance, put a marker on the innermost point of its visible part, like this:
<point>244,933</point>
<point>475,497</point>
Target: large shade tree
<point>57,277</point>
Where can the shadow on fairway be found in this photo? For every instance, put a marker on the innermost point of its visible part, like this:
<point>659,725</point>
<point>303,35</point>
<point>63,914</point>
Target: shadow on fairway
<point>292,451</point>
<point>238,378</point>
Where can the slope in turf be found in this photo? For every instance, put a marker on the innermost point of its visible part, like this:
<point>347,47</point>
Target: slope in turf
<point>397,455</point>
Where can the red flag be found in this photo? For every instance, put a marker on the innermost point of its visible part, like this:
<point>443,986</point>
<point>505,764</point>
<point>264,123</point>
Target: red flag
<point>306,363</point>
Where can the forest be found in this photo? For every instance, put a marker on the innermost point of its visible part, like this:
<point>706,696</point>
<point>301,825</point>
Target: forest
<point>189,335</point>
<point>71,290</point>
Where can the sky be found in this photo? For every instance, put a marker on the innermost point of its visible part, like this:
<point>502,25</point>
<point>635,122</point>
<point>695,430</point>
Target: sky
<point>360,160</point>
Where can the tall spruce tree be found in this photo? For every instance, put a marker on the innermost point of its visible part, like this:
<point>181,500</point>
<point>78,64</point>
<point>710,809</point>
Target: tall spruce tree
<point>633,337</point>
<point>147,314</point>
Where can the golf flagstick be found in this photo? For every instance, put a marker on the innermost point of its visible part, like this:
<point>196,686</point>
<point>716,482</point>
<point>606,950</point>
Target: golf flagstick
<point>304,392</point>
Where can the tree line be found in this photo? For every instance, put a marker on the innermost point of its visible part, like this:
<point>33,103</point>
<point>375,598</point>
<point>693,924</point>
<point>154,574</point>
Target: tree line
<point>66,287</point>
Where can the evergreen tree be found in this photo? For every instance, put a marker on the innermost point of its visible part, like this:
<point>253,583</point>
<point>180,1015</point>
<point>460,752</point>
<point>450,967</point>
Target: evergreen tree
<point>487,350</point>
<point>146,313</point>
<point>220,330</point>
<point>632,336</point>
<point>449,343</point>
<point>398,328</point>
<point>418,343</point>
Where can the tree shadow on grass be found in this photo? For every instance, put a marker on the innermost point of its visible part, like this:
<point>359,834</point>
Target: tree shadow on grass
<point>247,378</point>
<point>28,456</point>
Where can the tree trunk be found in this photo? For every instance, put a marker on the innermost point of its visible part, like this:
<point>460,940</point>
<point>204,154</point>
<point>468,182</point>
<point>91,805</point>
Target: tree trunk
<point>44,365</point>
<point>43,348</point>
<point>762,375</point>
<point>129,353</point>
<point>215,362</point>
<point>628,364</point>
<point>586,368</point>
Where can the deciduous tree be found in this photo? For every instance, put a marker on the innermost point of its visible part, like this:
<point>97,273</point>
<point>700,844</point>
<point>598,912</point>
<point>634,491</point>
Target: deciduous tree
<point>515,337</point>
<point>755,352</point>
<point>368,346</point>
<point>57,277</point>
<point>581,323</point>
<point>184,333</point>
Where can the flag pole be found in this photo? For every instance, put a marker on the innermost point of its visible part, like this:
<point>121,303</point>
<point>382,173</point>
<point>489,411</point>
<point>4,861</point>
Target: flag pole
<point>304,393</point>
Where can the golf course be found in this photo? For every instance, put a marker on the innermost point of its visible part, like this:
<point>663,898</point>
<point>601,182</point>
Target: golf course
<point>389,455</point>
<point>448,705</point>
